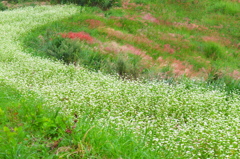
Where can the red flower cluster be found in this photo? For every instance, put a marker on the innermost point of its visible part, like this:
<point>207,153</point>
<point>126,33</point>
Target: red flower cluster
<point>79,35</point>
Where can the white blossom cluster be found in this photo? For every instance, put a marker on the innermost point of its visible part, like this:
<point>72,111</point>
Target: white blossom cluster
<point>194,122</point>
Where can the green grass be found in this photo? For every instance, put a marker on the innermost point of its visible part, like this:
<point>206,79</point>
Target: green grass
<point>29,130</point>
<point>187,34</point>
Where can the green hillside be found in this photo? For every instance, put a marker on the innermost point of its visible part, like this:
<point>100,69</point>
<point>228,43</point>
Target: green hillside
<point>147,79</point>
<point>188,38</point>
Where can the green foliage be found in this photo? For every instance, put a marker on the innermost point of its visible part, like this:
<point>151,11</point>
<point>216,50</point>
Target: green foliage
<point>72,51</point>
<point>3,7</point>
<point>147,1</point>
<point>128,65</point>
<point>184,39</point>
<point>114,12</point>
<point>218,79</point>
<point>213,51</point>
<point>77,52</point>
<point>19,1</point>
<point>63,49</point>
<point>30,130</point>
<point>226,7</point>
<point>103,4</point>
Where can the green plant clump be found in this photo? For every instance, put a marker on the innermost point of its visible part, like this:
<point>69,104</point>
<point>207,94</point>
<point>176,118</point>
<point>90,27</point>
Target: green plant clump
<point>63,49</point>
<point>103,4</point>
<point>213,51</point>
<point>3,7</point>
<point>74,51</point>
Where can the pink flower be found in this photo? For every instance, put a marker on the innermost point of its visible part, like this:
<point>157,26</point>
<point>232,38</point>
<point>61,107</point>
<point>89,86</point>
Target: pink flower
<point>79,35</point>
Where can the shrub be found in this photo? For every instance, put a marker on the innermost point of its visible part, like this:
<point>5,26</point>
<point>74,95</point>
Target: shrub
<point>3,7</point>
<point>103,4</point>
<point>70,48</point>
<point>66,50</point>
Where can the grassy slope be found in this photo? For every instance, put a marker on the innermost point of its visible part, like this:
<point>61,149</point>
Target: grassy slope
<point>182,120</point>
<point>193,38</point>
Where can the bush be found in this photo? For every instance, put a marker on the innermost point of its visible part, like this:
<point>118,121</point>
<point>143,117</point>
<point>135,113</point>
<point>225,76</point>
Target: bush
<point>66,50</point>
<point>3,7</point>
<point>70,48</point>
<point>103,4</point>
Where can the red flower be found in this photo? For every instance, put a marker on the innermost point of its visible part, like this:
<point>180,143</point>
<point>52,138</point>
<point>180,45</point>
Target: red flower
<point>79,35</point>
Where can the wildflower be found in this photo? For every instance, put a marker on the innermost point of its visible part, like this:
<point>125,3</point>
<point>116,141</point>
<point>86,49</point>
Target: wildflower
<point>79,35</point>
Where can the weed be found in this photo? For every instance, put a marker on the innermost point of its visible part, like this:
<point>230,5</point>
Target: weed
<point>213,51</point>
<point>128,66</point>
